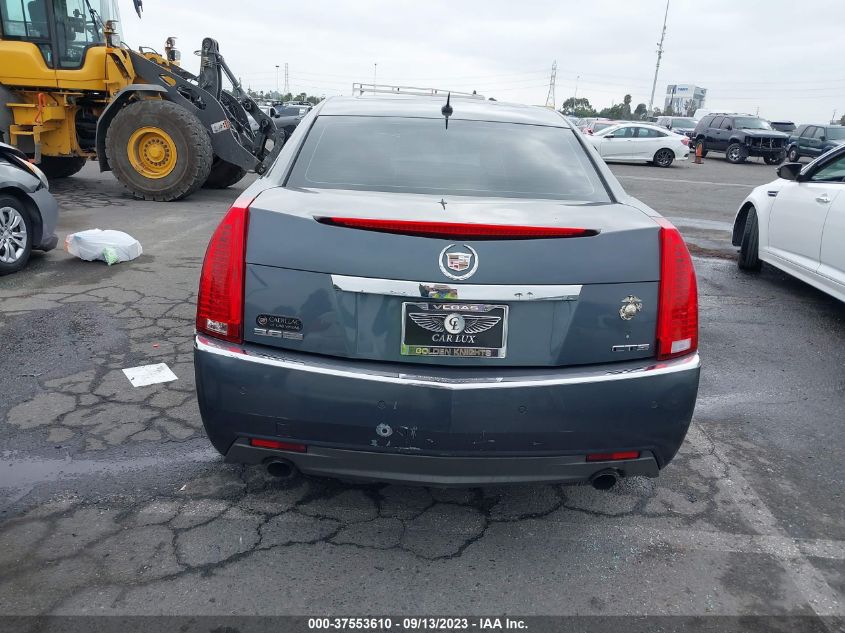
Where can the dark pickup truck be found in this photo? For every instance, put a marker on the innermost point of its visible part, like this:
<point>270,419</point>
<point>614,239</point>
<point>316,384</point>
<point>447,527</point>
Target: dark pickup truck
<point>813,140</point>
<point>740,136</point>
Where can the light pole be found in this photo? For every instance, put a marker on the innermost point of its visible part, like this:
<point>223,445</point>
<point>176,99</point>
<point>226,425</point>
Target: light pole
<point>659,56</point>
<point>375,75</point>
<point>277,80</point>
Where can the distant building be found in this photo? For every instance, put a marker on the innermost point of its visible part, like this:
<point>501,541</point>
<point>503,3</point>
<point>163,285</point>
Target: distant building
<point>684,98</point>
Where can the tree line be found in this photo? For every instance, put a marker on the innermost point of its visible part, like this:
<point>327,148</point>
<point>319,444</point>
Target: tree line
<point>273,95</point>
<point>581,107</point>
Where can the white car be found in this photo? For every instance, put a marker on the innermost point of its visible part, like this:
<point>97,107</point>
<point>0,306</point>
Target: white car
<point>797,223</point>
<point>640,142</point>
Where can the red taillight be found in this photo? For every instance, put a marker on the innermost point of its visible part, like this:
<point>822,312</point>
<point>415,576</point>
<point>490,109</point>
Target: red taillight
<point>612,457</point>
<point>458,230</point>
<point>278,445</point>
<point>221,293</point>
<point>685,141</point>
<point>677,312</point>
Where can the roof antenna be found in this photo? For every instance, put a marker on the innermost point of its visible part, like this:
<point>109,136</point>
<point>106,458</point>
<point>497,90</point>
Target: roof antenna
<point>446,110</point>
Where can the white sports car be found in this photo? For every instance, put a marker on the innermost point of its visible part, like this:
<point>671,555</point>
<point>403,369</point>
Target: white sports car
<point>797,223</point>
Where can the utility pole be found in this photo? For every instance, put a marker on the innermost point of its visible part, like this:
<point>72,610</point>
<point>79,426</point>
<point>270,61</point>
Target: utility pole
<point>550,98</point>
<point>659,56</point>
<point>287,83</point>
<point>575,96</point>
<point>375,76</point>
<point>277,79</point>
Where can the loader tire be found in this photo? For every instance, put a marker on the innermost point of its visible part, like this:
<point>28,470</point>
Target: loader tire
<point>223,174</point>
<point>159,150</point>
<point>61,166</point>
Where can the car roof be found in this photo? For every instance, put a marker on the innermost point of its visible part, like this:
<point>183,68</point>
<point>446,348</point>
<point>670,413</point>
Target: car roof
<point>753,116</point>
<point>429,108</point>
<point>638,124</point>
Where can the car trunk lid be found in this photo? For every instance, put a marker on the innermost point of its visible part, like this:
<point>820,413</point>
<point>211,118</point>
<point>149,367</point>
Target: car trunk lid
<point>361,293</point>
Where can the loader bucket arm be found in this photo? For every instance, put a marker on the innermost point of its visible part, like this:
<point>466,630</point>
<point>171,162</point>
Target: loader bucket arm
<point>223,113</point>
<point>212,69</point>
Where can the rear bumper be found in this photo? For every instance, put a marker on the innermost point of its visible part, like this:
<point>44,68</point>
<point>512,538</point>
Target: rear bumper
<point>433,470</point>
<point>439,425</point>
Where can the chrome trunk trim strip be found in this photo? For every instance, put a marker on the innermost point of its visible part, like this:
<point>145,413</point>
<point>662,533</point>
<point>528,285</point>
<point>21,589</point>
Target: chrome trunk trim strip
<point>464,292</point>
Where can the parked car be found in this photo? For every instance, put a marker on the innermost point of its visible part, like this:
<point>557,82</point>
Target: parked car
<point>813,140</point>
<point>787,127</point>
<point>597,125</point>
<point>678,124</point>
<point>583,123</point>
<point>740,136</point>
<point>284,117</point>
<point>269,110</point>
<point>288,117</point>
<point>398,299</point>
<point>797,223</point>
<point>640,142</point>
<point>28,211</point>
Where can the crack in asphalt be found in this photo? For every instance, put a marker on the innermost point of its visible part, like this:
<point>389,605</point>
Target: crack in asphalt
<point>153,534</point>
<point>306,492</point>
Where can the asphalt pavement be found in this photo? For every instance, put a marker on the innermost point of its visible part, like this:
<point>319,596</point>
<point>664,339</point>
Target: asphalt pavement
<point>113,502</point>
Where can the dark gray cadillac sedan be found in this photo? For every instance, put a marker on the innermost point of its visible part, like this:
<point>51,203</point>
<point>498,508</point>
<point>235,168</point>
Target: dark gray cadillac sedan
<point>445,294</point>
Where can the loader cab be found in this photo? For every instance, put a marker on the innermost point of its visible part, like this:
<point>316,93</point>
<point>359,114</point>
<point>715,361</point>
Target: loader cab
<point>63,30</point>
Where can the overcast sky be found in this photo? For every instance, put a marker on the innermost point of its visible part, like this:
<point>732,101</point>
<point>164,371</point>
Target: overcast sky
<point>749,54</point>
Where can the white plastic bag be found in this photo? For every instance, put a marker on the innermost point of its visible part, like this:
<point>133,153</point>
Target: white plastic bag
<point>107,246</point>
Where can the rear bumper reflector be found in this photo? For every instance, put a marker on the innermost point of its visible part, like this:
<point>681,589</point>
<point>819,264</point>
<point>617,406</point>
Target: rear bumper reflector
<point>612,457</point>
<point>278,445</point>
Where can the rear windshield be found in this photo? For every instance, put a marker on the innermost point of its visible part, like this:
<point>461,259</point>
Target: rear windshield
<point>683,122</point>
<point>471,158</point>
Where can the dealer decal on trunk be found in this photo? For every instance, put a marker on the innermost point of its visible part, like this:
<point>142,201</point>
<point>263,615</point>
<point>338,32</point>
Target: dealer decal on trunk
<point>278,326</point>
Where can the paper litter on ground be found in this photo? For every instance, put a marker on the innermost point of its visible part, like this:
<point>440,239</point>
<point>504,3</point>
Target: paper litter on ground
<point>149,374</point>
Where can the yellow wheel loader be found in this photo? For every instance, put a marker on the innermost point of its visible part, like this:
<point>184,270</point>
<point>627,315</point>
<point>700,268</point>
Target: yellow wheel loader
<point>71,91</point>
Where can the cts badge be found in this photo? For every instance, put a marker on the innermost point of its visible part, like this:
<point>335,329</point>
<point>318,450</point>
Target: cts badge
<point>455,259</point>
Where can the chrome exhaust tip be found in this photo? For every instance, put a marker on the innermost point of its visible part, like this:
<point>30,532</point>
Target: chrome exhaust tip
<point>281,468</point>
<point>604,479</point>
